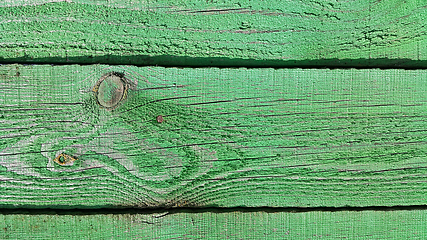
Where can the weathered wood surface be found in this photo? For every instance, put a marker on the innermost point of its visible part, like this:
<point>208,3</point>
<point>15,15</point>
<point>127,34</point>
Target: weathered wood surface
<point>276,33</point>
<point>227,137</point>
<point>223,225</point>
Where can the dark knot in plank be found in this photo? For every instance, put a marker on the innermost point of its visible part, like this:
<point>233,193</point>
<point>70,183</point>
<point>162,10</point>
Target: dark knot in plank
<point>110,90</point>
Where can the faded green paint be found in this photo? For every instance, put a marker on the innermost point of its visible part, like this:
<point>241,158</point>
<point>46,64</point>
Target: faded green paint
<point>229,137</point>
<point>122,136</point>
<point>211,225</point>
<point>275,33</point>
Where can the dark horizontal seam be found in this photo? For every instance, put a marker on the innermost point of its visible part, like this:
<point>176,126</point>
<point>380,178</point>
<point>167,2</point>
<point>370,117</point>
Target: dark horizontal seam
<point>175,210</point>
<point>218,62</point>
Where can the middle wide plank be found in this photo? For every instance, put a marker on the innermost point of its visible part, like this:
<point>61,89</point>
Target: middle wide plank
<point>125,136</point>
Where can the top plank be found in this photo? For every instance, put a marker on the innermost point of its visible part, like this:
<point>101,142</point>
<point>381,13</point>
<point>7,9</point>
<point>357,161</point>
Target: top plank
<point>273,33</point>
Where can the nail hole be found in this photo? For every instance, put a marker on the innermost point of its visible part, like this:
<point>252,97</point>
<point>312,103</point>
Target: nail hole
<point>159,119</point>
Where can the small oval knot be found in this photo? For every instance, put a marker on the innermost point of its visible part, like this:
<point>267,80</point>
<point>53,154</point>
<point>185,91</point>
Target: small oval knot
<point>64,159</point>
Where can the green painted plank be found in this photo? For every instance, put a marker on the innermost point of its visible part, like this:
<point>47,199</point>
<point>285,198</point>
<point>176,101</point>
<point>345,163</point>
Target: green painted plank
<point>276,33</point>
<point>223,225</point>
<point>171,137</point>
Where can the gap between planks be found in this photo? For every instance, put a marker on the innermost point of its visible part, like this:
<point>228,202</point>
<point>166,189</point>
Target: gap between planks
<point>166,211</point>
<point>202,63</point>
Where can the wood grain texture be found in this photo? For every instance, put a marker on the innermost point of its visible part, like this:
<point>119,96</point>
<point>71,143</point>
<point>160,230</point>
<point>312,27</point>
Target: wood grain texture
<point>228,137</point>
<point>213,225</point>
<point>275,33</point>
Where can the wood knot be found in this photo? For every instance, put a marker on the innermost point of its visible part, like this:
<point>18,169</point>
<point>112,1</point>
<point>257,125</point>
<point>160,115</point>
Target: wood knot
<point>64,159</point>
<point>110,90</point>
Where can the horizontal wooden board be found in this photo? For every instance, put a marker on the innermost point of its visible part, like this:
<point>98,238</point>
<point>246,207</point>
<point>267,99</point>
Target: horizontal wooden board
<point>276,33</point>
<point>218,225</point>
<point>211,137</point>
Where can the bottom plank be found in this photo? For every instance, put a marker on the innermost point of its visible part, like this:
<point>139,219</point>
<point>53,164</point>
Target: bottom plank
<point>213,225</point>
